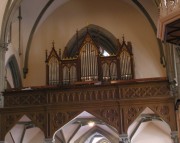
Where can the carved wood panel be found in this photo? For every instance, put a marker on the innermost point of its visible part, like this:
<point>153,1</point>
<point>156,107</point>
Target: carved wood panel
<point>10,119</point>
<point>117,105</point>
<point>167,113</point>
<point>59,118</point>
<point>136,91</point>
<point>164,110</point>
<point>130,114</point>
<point>110,115</point>
<point>89,95</point>
<point>25,99</point>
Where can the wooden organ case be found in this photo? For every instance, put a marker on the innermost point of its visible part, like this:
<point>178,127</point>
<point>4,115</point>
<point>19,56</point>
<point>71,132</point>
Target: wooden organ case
<point>90,65</point>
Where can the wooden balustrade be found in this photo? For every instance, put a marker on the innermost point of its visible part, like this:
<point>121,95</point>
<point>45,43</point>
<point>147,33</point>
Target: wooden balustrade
<point>118,103</point>
<point>116,90</point>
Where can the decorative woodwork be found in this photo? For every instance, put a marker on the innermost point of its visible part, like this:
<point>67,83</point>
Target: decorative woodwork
<point>103,86</point>
<point>110,115</point>
<point>117,104</point>
<point>53,67</point>
<point>89,64</point>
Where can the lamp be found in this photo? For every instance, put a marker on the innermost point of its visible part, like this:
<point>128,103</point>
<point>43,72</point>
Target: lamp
<point>91,123</point>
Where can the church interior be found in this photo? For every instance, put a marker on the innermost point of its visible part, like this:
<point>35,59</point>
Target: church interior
<point>89,71</point>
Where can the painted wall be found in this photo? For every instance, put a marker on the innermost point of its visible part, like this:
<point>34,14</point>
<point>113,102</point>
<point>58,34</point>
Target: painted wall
<point>118,17</point>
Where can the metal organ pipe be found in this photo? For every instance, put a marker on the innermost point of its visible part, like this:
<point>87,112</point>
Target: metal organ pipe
<point>85,62</point>
<point>125,65</point>
<point>91,63</point>
<point>88,62</point>
<point>87,76</point>
<point>82,63</point>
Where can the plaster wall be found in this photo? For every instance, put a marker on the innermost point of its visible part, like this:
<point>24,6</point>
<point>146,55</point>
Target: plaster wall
<point>118,17</point>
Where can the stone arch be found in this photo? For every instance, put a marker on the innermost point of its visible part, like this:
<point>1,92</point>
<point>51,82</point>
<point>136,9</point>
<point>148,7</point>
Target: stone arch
<point>107,115</point>
<point>24,131</point>
<point>151,120</point>
<point>97,130</point>
<point>164,111</point>
<point>81,119</point>
<point>10,120</point>
<point>100,36</point>
<point>131,113</point>
<point>13,65</point>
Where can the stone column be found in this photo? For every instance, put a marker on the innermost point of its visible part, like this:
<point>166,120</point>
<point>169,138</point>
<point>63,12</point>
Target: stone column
<point>3,48</point>
<point>178,116</point>
<point>174,136</point>
<point>48,140</point>
<point>172,61</point>
<point>178,69</point>
<point>124,138</point>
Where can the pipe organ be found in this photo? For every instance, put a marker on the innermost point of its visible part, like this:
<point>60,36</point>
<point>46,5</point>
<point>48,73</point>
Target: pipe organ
<point>90,65</point>
<point>125,64</point>
<point>89,60</point>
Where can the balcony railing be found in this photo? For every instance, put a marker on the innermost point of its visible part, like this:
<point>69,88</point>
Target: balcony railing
<point>88,92</point>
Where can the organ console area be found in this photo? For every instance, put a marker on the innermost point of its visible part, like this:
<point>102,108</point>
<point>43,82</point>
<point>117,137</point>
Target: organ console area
<point>91,63</point>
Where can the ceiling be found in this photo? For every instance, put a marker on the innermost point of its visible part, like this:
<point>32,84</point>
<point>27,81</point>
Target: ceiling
<point>79,130</point>
<point>86,128</point>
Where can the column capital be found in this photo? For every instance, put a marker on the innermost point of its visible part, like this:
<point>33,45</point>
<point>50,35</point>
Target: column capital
<point>174,136</point>
<point>3,46</point>
<point>124,138</point>
<point>48,140</point>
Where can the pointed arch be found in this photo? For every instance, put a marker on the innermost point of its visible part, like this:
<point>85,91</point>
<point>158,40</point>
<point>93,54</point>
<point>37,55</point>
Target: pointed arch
<point>79,122</point>
<point>97,131</point>
<point>101,36</point>
<point>149,118</point>
<point>24,131</point>
<point>163,111</point>
<point>13,65</point>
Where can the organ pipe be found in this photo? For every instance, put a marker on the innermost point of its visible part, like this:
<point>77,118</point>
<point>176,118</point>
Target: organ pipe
<point>90,63</point>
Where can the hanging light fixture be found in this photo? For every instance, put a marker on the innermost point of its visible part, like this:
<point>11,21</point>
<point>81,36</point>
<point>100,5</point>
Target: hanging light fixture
<point>91,123</point>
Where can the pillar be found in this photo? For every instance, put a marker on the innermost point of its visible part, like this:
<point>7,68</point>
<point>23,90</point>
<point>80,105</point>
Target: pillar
<point>178,116</point>
<point>124,138</point>
<point>174,136</point>
<point>171,66</point>
<point>3,48</point>
<point>48,140</point>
